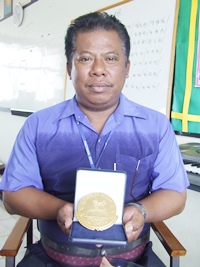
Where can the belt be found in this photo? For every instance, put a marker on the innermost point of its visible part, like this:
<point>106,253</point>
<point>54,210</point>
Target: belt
<point>124,259</point>
<point>93,252</point>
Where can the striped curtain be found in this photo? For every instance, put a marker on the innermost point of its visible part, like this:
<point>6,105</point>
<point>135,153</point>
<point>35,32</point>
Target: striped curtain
<point>185,113</point>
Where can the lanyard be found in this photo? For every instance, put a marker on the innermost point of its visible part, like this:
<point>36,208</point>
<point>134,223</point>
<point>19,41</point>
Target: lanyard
<point>92,165</point>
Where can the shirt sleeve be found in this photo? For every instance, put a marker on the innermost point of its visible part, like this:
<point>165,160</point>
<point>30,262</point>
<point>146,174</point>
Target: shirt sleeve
<point>169,171</point>
<point>22,169</point>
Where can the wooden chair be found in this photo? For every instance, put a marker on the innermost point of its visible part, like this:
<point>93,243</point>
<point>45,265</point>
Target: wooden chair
<point>24,225</point>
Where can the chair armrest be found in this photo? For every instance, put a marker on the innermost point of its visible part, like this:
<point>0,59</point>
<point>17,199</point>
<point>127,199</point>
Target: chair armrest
<point>14,240</point>
<point>169,241</point>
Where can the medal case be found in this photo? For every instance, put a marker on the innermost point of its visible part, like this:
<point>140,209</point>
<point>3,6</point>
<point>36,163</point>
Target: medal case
<point>90,182</point>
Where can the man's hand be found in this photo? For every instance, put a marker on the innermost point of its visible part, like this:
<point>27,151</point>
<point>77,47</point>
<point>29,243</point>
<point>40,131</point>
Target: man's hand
<point>134,222</point>
<point>65,216</point>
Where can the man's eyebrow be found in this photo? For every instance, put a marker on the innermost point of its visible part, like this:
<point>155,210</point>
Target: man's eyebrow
<point>112,52</point>
<point>85,52</point>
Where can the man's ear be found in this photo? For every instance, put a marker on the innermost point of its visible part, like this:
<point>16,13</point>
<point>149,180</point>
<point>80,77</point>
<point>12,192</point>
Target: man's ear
<point>128,64</point>
<point>68,69</point>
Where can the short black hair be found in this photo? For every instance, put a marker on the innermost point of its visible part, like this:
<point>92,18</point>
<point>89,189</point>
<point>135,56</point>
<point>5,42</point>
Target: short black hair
<point>91,22</point>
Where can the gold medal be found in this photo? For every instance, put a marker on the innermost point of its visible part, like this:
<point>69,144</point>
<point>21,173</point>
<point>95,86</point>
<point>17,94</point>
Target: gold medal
<point>96,211</point>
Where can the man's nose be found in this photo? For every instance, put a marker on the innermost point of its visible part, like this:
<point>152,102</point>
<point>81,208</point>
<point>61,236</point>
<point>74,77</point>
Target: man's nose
<point>98,68</point>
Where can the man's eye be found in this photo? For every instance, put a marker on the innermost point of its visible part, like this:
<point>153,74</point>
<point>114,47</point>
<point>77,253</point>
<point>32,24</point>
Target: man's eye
<point>84,59</point>
<point>111,59</point>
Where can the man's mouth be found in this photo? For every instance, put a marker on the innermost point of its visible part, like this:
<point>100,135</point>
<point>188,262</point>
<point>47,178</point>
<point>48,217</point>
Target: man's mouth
<point>98,86</point>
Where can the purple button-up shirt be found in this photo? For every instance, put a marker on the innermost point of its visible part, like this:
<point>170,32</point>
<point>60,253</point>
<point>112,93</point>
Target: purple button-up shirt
<point>49,149</point>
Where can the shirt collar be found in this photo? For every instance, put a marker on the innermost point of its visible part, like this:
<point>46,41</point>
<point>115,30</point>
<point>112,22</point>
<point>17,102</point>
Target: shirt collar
<point>67,109</point>
<point>129,108</point>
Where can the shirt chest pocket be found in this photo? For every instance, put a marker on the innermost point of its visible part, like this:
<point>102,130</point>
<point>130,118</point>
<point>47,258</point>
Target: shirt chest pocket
<point>138,174</point>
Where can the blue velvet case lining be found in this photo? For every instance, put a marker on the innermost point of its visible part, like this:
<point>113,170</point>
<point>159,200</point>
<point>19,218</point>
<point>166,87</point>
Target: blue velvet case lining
<point>115,235</point>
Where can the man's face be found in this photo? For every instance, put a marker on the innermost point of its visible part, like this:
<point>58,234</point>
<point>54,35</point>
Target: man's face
<point>99,69</point>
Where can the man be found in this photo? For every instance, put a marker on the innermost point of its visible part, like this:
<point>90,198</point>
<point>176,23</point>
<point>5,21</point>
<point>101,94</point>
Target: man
<point>98,128</point>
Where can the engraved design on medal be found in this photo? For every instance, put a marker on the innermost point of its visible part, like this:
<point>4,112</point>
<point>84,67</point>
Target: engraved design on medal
<point>96,211</point>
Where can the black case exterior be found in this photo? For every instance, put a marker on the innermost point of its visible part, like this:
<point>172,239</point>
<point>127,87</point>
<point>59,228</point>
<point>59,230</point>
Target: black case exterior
<point>115,235</point>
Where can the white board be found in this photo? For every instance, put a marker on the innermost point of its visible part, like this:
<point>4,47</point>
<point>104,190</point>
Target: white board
<point>32,65</point>
<point>32,60</point>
